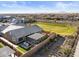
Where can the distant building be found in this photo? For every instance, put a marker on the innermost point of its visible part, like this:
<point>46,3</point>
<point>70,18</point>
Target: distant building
<point>6,52</point>
<point>14,21</point>
<point>17,21</point>
<point>4,18</point>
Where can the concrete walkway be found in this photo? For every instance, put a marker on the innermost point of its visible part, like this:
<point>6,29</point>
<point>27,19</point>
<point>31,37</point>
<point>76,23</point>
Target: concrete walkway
<point>76,54</point>
<point>6,41</point>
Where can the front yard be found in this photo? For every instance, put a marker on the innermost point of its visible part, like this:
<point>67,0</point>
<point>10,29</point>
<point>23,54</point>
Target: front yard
<point>21,50</point>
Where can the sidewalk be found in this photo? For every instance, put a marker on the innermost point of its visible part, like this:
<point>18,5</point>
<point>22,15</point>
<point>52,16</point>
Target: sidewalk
<point>6,41</point>
<point>76,54</point>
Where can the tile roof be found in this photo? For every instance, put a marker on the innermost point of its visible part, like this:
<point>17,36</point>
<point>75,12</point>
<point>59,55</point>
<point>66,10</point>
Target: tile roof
<point>17,32</point>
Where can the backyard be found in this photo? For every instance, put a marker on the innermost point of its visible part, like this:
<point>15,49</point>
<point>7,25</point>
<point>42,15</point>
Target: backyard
<point>21,50</point>
<point>59,28</point>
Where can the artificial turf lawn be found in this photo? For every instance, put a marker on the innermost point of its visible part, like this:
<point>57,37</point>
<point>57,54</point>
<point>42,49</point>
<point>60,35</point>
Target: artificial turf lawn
<point>21,50</point>
<point>59,28</point>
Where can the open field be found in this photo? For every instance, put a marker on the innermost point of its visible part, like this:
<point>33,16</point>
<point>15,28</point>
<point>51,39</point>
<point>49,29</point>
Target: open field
<point>59,28</point>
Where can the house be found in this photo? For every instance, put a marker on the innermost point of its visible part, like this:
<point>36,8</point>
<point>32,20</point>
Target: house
<point>3,26</point>
<point>32,40</point>
<point>36,37</point>
<point>4,18</point>
<point>6,52</point>
<point>17,21</point>
<point>15,33</point>
<point>13,20</point>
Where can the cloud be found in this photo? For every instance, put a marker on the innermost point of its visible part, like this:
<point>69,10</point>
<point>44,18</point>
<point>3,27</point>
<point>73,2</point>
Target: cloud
<point>67,7</point>
<point>11,4</point>
<point>23,7</point>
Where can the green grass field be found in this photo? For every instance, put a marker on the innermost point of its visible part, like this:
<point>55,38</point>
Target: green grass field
<point>59,28</point>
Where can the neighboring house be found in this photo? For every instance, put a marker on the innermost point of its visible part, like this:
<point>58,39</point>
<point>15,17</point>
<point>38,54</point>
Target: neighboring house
<point>3,26</point>
<point>15,33</point>
<point>16,21</point>
<point>4,18</point>
<point>6,52</point>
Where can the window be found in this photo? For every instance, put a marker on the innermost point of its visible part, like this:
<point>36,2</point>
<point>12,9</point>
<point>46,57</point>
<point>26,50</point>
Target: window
<point>20,39</point>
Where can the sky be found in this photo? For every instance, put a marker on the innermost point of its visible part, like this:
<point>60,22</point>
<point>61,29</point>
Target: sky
<point>39,6</point>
